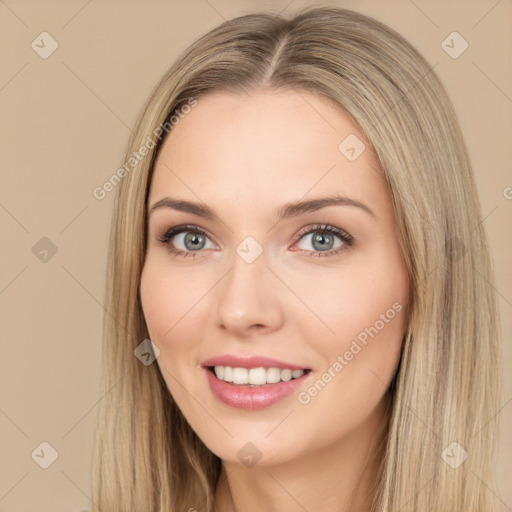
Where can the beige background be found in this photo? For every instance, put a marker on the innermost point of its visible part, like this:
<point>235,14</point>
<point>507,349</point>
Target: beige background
<point>65,120</point>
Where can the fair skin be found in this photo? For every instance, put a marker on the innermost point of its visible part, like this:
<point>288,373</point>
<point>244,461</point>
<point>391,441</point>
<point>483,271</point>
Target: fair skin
<point>245,157</point>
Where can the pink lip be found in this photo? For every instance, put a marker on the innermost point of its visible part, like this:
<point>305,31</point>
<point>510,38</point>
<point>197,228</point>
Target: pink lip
<point>250,362</point>
<point>258,397</point>
<point>247,397</point>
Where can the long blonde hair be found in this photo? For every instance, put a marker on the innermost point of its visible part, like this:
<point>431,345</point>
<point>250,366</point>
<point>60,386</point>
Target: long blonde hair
<point>147,458</point>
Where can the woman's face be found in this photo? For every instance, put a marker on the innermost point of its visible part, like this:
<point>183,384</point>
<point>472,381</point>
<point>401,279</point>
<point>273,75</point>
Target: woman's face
<point>288,259</point>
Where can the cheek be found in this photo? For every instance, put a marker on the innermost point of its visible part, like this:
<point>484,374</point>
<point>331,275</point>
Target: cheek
<point>353,299</point>
<point>169,300</point>
<point>378,311</point>
<point>359,362</point>
<point>172,311</point>
<point>157,302</point>
<point>363,312</point>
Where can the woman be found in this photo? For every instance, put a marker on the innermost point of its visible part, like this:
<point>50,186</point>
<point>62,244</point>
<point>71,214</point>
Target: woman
<point>300,239</point>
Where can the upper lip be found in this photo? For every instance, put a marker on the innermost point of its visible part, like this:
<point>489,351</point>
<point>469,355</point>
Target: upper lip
<point>250,362</point>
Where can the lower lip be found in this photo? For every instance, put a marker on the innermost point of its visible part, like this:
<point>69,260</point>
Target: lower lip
<point>253,397</point>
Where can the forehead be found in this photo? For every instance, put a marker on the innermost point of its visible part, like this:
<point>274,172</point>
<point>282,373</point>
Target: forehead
<point>266,147</point>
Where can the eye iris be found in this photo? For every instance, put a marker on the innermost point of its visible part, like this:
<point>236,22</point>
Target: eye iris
<point>321,239</point>
<point>196,239</point>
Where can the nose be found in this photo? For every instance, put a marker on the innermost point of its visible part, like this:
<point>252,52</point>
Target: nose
<point>248,299</point>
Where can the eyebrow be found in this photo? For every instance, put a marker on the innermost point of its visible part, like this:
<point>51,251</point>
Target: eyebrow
<point>288,210</point>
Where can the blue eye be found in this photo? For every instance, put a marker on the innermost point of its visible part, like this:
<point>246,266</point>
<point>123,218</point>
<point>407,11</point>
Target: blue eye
<point>191,237</point>
<point>323,240</point>
<point>189,240</point>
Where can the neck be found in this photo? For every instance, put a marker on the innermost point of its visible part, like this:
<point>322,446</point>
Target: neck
<point>341,477</point>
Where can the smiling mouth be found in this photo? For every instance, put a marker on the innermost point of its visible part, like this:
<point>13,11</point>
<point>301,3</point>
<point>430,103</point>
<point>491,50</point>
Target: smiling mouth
<point>255,377</point>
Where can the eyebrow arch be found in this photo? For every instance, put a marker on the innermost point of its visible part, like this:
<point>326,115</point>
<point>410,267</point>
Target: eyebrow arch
<point>288,210</point>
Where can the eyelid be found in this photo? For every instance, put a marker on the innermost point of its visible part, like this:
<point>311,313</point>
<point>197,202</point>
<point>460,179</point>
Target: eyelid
<point>169,233</point>
<point>346,239</point>
<point>325,228</point>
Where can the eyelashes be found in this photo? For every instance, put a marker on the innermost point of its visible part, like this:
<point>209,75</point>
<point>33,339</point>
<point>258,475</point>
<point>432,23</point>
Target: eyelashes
<point>331,232</point>
<point>171,233</point>
<point>199,238</point>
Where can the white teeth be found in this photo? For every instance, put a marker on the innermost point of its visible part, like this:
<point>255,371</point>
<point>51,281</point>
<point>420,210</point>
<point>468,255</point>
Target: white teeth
<point>240,376</point>
<point>256,376</point>
<point>286,375</point>
<point>273,375</point>
<point>228,373</point>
